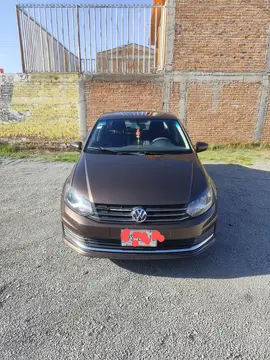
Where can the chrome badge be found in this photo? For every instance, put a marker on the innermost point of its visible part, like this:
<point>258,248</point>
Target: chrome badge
<point>139,215</point>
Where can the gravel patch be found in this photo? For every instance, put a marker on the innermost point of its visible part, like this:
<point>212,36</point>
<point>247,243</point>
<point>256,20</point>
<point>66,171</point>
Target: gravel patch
<point>56,304</point>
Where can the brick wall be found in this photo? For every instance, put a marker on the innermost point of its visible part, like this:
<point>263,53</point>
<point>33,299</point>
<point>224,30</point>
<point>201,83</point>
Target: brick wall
<point>174,97</point>
<point>266,131</point>
<point>39,105</point>
<point>222,113</point>
<point>104,96</point>
<point>221,35</point>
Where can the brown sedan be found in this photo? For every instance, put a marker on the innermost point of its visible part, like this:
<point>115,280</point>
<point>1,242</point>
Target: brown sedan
<point>139,190</point>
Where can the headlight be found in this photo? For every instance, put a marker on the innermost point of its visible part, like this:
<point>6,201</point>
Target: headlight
<point>78,203</point>
<point>202,204</point>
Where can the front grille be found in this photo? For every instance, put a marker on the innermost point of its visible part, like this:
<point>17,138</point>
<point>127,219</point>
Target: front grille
<point>155,214</point>
<point>116,244</point>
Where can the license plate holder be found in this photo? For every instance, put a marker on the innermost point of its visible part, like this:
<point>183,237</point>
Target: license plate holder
<point>140,237</point>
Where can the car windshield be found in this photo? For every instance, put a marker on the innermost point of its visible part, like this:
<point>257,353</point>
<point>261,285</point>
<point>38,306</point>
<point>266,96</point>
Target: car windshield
<point>138,136</point>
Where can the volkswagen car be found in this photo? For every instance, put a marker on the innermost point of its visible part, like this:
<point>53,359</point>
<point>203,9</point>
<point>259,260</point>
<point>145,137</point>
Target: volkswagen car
<point>139,190</point>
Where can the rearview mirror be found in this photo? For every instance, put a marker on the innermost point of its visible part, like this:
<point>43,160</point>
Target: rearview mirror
<point>76,145</point>
<point>201,146</point>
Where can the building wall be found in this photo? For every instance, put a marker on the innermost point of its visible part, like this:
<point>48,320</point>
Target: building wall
<point>103,96</point>
<point>222,113</point>
<point>44,106</point>
<point>266,131</point>
<point>174,97</point>
<point>124,61</point>
<point>221,35</point>
<point>39,106</point>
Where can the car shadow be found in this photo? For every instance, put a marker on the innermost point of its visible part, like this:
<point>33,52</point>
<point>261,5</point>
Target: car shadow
<point>242,246</point>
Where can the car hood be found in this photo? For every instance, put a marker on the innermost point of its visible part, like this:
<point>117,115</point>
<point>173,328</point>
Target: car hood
<point>139,179</point>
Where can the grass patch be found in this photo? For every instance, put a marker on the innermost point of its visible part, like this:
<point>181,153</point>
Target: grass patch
<point>236,155</point>
<point>64,157</point>
<point>231,154</point>
<point>20,153</point>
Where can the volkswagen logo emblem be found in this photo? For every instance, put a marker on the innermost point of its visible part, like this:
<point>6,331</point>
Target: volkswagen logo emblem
<point>139,215</point>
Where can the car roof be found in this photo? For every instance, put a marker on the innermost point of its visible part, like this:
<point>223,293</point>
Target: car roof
<point>125,115</point>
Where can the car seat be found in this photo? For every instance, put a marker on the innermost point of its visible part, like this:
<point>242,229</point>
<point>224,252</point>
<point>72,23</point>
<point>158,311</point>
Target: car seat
<point>156,130</point>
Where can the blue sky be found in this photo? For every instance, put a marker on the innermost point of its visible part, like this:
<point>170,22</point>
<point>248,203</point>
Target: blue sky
<point>10,59</point>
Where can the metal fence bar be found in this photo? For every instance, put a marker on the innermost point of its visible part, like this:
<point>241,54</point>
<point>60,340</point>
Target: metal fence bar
<point>144,39</point>
<point>133,47</point>
<point>74,37</point>
<point>106,41</point>
<point>149,46</point>
<point>123,51</point>
<point>68,35</point>
<point>58,47</point>
<point>41,36</point>
<point>139,18</point>
<point>31,5</point>
<point>117,33</point>
<point>48,45</point>
<point>24,40</point>
<point>155,48</point>
<point>29,34</point>
<point>36,33</point>
<point>111,41</point>
<point>100,53</point>
<point>53,55</point>
<point>63,39</point>
<point>35,39</point>
<point>95,38</point>
<point>90,42</point>
<point>19,24</point>
<point>84,40</point>
<point>30,37</point>
<point>79,38</point>
<point>127,52</point>
<point>34,51</point>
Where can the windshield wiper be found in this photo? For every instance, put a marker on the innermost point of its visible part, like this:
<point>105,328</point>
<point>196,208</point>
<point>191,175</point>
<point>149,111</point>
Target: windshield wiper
<point>130,153</point>
<point>119,152</point>
<point>138,153</point>
<point>100,148</point>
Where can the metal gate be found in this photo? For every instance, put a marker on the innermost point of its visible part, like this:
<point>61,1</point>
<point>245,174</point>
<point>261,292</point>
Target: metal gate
<point>92,38</point>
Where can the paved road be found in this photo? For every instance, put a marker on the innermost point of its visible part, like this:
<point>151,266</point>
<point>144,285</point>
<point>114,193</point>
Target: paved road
<point>55,304</point>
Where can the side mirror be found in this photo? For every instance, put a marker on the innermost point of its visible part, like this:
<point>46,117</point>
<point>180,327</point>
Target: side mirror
<point>201,146</point>
<point>77,146</point>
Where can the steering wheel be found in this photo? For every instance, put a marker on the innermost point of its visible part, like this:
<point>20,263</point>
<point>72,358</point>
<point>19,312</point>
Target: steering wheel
<point>160,139</point>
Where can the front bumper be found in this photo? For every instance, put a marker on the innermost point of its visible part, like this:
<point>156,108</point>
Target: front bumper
<point>187,238</point>
<point>135,254</point>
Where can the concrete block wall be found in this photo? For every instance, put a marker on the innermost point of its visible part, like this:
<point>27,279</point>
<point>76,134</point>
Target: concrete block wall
<point>41,106</point>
